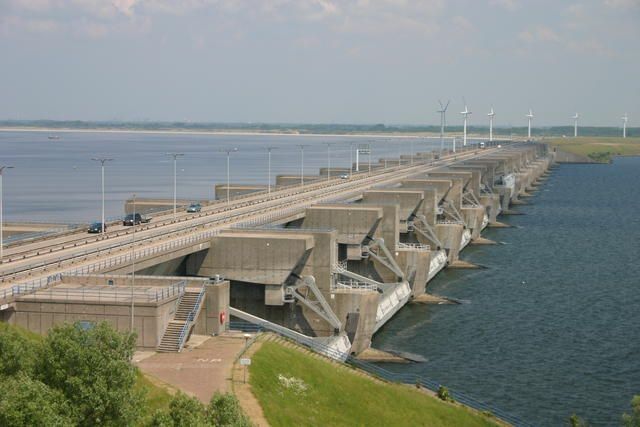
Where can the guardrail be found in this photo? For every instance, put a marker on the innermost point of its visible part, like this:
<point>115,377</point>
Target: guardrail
<point>106,263</point>
<point>413,246</point>
<point>115,294</point>
<point>352,285</point>
<point>394,377</point>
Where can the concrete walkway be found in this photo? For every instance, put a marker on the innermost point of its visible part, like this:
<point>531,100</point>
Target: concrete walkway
<point>202,368</point>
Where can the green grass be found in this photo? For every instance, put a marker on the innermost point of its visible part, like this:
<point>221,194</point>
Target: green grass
<point>156,397</point>
<point>599,149</point>
<point>339,397</point>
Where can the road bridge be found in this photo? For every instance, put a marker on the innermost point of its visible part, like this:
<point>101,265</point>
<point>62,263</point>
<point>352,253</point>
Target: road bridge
<point>335,257</point>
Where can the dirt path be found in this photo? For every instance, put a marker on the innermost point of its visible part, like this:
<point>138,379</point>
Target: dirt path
<point>242,390</point>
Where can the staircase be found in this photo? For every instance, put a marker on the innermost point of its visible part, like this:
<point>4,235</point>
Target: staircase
<point>186,314</point>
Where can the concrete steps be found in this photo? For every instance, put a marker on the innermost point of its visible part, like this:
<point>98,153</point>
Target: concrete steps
<point>171,339</point>
<point>170,342</point>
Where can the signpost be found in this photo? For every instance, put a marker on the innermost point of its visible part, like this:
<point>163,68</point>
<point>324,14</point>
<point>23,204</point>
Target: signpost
<point>245,362</point>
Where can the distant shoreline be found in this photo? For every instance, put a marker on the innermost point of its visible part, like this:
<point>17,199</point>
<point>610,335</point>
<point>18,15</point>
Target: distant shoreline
<point>229,132</point>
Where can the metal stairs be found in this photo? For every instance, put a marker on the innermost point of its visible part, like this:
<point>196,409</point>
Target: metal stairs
<point>178,329</point>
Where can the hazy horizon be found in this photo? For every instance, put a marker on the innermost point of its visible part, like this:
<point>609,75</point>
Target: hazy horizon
<point>320,61</point>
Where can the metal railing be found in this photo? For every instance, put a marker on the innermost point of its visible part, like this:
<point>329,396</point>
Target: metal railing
<point>413,246</point>
<point>352,285</point>
<point>411,379</point>
<point>114,294</point>
<point>191,317</point>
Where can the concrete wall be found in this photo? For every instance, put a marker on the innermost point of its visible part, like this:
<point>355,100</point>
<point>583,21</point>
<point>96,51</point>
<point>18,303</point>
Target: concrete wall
<point>150,319</point>
<point>216,301</point>
<point>408,201</point>
<point>353,222</point>
<point>255,256</point>
<point>236,190</point>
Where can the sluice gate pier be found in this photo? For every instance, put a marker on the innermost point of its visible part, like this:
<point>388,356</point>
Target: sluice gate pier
<point>326,258</point>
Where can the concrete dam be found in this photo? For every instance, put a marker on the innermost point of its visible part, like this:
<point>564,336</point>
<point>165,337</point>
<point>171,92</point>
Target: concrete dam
<point>324,259</point>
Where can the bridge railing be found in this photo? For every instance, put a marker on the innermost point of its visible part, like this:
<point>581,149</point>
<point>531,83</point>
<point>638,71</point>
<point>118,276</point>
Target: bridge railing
<point>106,263</point>
<point>412,379</point>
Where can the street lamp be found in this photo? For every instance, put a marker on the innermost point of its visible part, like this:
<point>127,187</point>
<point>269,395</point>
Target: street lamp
<point>133,259</point>
<point>228,151</point>
<point>301,163</point>
<point>350,159</point>
<point>411,146</point>
<point>2,168</point>
<point>329,144</point>
<point>269,168</point>
<point>175,180</point>
<point>102,161</point>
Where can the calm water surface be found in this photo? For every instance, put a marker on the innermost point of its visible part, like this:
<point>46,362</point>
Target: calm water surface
<point>552,326</point>
<point>55,180</point>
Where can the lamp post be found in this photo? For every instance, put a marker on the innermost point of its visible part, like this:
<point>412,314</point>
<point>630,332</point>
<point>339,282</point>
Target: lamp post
<point>411,147</point>
<point>301,163</point>
<point>350,159</point>
<point>329,144</point>
<point>175,179</point>
<point>133,260</point>
<point>228,151</point>
<point>2,169</point>
<point>102,161</point>
<point>269,168</point>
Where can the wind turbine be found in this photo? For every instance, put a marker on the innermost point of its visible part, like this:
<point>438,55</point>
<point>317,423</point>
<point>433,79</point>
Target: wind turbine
<point>491,114</point>
<point>465,113</point>
<point>575,125</point>
<point>530,117</point>
<point>443,122</point>
<point>625,119</point>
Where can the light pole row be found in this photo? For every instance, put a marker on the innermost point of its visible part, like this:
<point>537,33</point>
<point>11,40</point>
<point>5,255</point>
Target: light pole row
<point>2,169</point>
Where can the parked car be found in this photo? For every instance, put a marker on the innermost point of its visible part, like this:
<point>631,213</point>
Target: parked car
<point>136,219</point>
<point>194,207</point>
<point>96,227</point>
<point>344,176</point>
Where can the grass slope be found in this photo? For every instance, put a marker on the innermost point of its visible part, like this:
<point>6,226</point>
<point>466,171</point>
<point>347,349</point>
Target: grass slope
<point>339,397</point>
<point>597,148</point>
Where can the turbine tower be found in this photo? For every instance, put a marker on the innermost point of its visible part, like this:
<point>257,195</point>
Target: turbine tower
<point>465,113</point>
<point>530,117</point>
<point>491,114</point>
<point>443,122</point>
<point>625,119</point>
<point>575,125</point>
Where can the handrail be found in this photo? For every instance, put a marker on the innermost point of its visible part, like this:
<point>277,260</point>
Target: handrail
<point>190,319</point>
<point>390,376</point>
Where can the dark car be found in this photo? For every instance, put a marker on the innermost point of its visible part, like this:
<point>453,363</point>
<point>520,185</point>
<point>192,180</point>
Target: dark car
<point>135,219</point>
<point>96,227</point>
<point>194,207</point>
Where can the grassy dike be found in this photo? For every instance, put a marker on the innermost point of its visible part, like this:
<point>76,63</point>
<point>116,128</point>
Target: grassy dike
<point>598,149</point>
<point>297,388</point>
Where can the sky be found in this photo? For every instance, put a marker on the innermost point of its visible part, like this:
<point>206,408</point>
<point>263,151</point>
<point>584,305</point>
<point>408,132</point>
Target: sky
<point>321,61</point>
